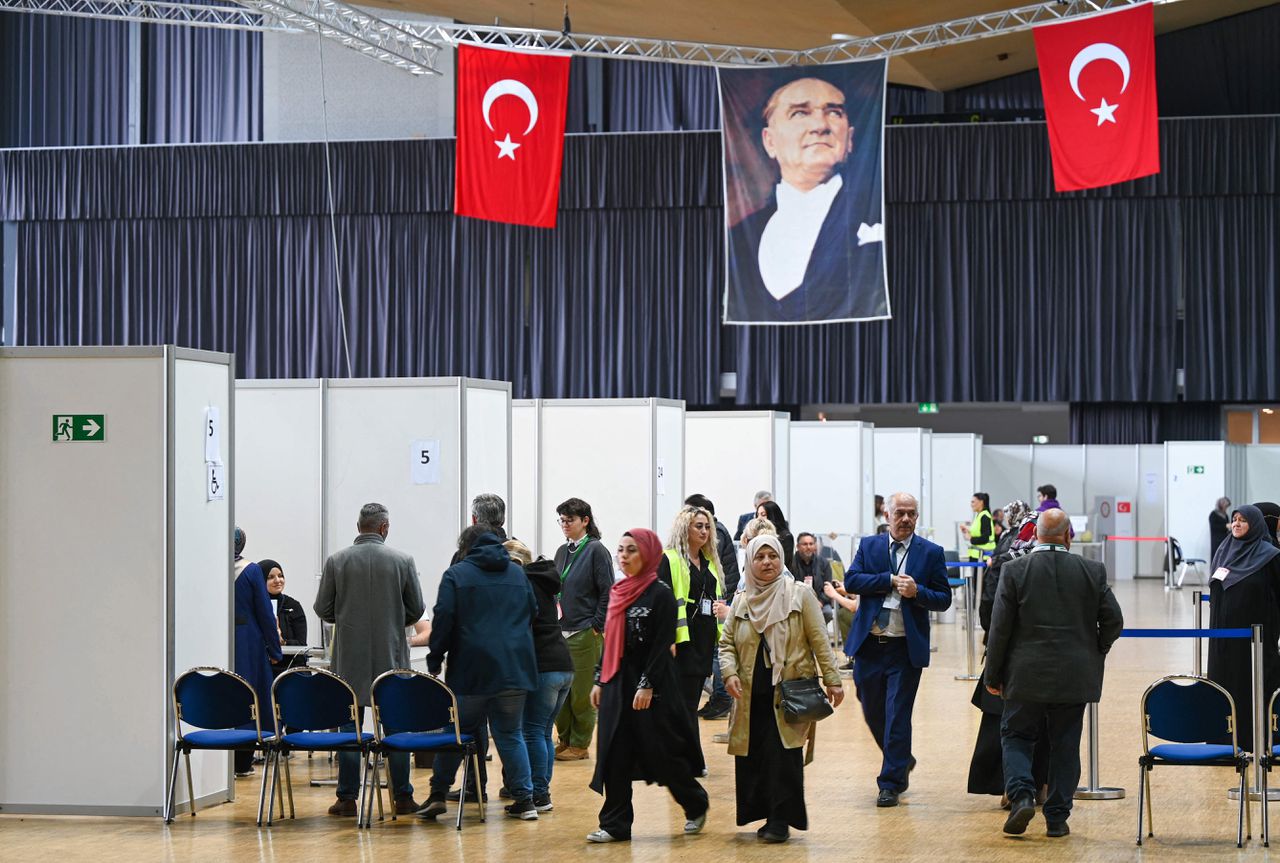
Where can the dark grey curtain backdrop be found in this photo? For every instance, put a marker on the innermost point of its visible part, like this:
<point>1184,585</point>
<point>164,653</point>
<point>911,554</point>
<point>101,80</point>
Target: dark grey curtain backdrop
<point>201,85</point>
<point>64,81</point>
<point>1001,290</point>
<point>1145,423</point>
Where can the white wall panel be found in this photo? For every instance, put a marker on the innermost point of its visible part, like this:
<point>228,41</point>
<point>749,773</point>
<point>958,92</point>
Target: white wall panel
<point>524,512</point>
<point>1262,482</point>
<point>279,491</point>
<point>1191,494</point>
<point>956,471</point>
<point>827,479</point>
<point>729,456</point>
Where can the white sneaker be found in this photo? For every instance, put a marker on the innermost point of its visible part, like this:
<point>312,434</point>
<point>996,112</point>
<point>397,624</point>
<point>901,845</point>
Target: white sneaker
<point>601,836</point>
<point>696,825</point>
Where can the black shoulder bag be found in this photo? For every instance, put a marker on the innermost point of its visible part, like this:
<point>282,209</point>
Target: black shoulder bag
<point>802,700</point>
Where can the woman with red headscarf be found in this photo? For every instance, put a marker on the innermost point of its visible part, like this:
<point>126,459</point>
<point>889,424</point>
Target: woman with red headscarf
<point>645,730</point>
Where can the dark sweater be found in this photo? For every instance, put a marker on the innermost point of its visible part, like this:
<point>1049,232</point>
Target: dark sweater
<point>548,642</point>
<point>584,591</point>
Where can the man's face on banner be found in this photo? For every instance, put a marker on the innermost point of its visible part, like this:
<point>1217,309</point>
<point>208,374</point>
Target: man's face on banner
<point>807,131</point>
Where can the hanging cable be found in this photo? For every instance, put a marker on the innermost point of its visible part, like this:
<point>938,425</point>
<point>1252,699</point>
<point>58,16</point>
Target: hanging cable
<point>333,218</point>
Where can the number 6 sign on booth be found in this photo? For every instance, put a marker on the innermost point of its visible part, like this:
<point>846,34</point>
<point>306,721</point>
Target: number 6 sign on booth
<point>424,462</point>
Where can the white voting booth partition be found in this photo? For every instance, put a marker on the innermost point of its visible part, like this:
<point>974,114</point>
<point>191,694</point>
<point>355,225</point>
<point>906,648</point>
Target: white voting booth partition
<point>108,502</point>
<point>1198,473</point>
<point>280,500</point>
<point>828,483</point>
<point>423,447</point>
<point>903,462</point>
<point>731,455</point>
<point>625,457</point>
<point>1263,483</point>
<point>957,474</point>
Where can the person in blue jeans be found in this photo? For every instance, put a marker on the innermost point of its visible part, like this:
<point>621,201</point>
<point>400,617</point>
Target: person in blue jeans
<point>555,672</point>
<point>483,622</point>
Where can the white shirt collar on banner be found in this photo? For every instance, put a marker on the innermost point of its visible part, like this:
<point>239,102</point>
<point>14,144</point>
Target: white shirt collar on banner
<point>788,240</point>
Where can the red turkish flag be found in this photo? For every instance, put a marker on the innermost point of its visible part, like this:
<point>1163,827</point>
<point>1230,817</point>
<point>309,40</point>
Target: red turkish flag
<point>510,118</point>
<point>1098,75</point>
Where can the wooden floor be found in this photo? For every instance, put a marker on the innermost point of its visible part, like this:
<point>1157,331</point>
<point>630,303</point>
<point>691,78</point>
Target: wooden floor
<point>937,821</point>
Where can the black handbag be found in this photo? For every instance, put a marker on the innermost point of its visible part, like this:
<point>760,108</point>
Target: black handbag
<point>804,700</point>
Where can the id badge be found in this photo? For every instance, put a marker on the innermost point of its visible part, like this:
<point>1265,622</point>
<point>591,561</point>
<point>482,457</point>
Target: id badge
<point>1220,574</point>
<point>704,607</point>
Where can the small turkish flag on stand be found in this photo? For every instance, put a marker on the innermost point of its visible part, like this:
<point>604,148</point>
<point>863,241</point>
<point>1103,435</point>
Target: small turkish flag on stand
<point>1098,75</point>
<point>510,119</point>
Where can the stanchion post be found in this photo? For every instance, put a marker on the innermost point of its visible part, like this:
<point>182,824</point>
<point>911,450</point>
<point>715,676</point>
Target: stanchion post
<point>1093,791</point>
<point>968,636</point>
<point>1259,707</point>
<point>1197,663</point>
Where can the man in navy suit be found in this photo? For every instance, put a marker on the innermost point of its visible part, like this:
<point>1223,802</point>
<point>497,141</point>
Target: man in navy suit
<point>901,577</point>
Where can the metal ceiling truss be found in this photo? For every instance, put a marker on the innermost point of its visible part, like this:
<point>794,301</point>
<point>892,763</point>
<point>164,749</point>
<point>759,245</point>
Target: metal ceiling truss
<point>358,30</point>
<point>415,47</point>
<point>150,12</point>
<point>886,45</point>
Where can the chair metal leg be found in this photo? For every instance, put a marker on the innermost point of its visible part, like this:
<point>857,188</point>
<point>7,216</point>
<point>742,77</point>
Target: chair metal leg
<point>1248,816</point>
<point>271,778</point>
<point>1266,817</point>
<point>379,766</point>
<point>173,781</point>
<point>191,790</point>
<point>467,764</point>
<point>480,801</point>
<point>362,817</point>
<point>1244,801</point>
<point>288,784</point>
<point>1142,775</point>
<point>262,792</point>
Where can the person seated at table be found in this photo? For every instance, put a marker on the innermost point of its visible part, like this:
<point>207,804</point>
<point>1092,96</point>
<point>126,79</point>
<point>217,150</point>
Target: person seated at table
<point>291,618</point>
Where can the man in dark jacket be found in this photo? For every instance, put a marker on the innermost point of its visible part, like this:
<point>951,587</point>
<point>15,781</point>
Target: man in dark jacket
<point>814,570</point>
<point>1054,620</point>
<point>483,622</point>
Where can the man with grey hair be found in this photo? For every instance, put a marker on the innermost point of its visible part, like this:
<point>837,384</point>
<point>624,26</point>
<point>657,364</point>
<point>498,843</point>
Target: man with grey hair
<point>489,509</point>
<point>901,577</point>
<point>761,497</point>
<point>1054,620</point>
<point>370,593</point>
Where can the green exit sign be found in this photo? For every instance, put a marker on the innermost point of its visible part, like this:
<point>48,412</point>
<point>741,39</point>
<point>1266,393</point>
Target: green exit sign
<point>1195,468</point>
<point>928,408</point>
<point>79,427</point>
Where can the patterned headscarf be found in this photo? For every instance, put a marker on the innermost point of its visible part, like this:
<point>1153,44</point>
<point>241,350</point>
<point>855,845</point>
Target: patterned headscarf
<point>240,540</point>
<point>1015,513</point>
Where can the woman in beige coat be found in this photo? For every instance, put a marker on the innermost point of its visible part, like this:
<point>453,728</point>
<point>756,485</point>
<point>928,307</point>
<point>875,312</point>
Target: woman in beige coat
<point>775,632</point>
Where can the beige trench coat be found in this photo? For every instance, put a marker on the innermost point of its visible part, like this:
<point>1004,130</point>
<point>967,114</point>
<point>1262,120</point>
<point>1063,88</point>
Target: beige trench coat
<point>808,649</point>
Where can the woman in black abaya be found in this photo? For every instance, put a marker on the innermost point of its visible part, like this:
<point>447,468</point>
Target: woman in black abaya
<point>1244,589</point>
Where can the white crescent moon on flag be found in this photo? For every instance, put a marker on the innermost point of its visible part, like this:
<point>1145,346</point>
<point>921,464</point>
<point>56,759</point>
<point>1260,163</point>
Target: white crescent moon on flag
<point>512,87</point>
<point>1097,51</point>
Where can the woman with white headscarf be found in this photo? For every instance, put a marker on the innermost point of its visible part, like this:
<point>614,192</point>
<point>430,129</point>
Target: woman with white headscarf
<point>775,632</point>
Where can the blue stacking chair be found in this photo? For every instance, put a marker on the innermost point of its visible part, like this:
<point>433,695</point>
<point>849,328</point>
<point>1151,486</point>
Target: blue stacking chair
<point>1188,712</point>
<point>309,704</point>
<point>220,705</point>
<point>420,708</point>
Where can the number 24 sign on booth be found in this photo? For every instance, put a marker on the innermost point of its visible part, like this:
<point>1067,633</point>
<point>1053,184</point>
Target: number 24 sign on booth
<point>424,462</point>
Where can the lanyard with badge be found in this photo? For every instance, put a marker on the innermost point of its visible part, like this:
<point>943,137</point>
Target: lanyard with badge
<point>894,599</point>
<point>573,555</point>
<point>708,577</point>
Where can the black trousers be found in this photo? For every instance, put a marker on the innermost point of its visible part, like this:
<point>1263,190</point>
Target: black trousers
<point>1020,727</point>
<point>617,813</point>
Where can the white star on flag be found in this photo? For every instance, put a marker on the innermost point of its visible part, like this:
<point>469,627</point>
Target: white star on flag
<point>1106,113</point>
<point>507,149</point>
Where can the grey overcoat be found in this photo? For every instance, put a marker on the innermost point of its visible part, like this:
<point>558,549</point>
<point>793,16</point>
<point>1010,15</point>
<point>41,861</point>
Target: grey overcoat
<point>370,592</point>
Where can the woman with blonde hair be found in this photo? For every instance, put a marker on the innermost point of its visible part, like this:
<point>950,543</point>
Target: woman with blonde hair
<point>690,566</point>
<point>775,633</point>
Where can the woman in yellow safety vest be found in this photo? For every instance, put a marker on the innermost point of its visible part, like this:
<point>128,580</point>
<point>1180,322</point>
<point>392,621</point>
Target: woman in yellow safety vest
<point>981,534</point>
<point>691,567</point>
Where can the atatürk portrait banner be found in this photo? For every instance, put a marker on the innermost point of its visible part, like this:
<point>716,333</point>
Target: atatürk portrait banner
<point>804,194</point>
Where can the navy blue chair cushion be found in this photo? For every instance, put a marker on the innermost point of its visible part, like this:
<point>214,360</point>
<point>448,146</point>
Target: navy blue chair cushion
<point>412,741</point>
<point>218,700</point>
<point>411,702</point>
<point>321,740</point>
<point>1194,753</point>
<point>222,739</point>
<point>312,701</point>
<point>1188,713</point>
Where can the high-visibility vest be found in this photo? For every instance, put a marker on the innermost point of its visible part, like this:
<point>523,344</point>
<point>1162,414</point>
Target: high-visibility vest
<point>984,549</point>
<point>680,587</point>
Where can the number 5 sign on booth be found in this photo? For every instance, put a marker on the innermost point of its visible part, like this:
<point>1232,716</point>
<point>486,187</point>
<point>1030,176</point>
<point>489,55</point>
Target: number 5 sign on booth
<point>424,462</point>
